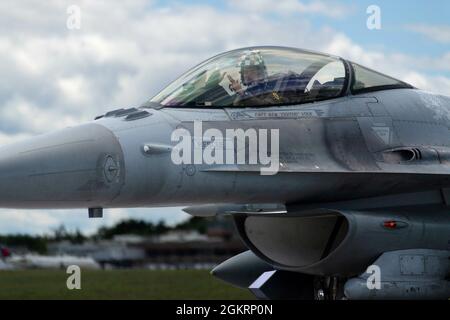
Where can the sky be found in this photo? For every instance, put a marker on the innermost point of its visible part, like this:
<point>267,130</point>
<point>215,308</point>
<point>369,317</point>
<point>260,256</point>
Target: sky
<point>54,75</point>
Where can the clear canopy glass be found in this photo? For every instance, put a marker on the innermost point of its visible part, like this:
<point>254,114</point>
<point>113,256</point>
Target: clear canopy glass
<point>366,80</point>
<point>261,76</point>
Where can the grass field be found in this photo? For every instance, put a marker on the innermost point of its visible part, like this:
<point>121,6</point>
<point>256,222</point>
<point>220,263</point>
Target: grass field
<point>117,284</point>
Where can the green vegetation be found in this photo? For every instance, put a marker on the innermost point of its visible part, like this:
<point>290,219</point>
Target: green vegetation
<point>39,243</point>
<point>117,284</point>
<point>32,243</point>
<point>146,228</point>
<point>131,226</point>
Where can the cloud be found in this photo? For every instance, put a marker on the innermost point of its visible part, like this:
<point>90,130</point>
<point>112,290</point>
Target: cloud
<point>16,221</point>
<point>126,52</point>
<point>41,222</point>
<point>69,76</point>
<point>439,33</point>
<point>291,7</point>
<point>430,83</point>
<point>411,69</point>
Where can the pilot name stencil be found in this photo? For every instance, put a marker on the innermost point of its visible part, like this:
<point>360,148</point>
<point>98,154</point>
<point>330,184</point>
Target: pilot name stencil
<point>271,114</point>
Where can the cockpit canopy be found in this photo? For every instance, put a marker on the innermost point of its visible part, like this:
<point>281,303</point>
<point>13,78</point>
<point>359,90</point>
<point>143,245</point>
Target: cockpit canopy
<point>266,76</point>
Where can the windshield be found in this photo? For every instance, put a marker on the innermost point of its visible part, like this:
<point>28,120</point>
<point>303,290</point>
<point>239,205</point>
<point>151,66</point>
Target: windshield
<point>257,77</point>
<point>366,80</point>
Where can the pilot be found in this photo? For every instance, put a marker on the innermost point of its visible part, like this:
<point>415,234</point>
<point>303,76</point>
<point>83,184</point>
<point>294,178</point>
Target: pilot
<point>254,77</point>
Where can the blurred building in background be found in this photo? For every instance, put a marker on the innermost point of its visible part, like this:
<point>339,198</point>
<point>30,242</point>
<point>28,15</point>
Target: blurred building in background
<point>195,244</point>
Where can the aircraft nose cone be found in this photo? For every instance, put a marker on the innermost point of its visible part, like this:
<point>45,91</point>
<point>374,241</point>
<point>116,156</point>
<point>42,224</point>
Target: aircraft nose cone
<point>70,168</point>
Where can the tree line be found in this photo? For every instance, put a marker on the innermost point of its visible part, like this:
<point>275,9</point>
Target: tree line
<point>38,243</point>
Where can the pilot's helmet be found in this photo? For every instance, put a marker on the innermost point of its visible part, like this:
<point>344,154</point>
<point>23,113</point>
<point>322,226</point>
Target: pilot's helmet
<point>253,68</point>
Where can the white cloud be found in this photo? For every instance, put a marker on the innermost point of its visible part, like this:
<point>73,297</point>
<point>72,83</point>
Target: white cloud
<point>413,70</point>
<point>76,89</point>
<point>11,138</point>
<point>291,7</point>
<point>45,221</point>
<point>32,221</point>
<point>439,33</point>
<point>438,84</point>
<point>68,76</point>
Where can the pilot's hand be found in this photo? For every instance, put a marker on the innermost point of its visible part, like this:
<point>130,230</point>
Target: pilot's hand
<point>234,84</point>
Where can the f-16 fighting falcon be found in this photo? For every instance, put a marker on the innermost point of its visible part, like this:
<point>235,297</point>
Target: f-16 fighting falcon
<point>337,176</point>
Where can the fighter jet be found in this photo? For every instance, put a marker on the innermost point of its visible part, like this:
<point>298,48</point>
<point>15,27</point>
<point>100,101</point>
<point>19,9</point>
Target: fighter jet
<point>337,176</point>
